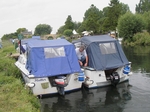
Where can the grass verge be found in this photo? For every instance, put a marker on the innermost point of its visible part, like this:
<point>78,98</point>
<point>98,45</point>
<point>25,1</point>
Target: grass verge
<point>13,95</point>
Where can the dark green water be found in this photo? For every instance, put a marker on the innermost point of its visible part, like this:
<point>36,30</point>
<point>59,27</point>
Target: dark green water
<point>131,96</point>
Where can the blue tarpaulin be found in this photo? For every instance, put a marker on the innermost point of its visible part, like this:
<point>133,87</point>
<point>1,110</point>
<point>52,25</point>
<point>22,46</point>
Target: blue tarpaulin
<point>51,58</point>
<point>104,52</point>
<point>36,37</point>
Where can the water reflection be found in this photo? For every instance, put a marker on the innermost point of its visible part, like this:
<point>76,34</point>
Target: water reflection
<point>92,100</point>
<point>139,56</point>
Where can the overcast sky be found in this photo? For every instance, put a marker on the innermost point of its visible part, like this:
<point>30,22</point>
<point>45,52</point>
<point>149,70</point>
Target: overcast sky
<point>28,14</point>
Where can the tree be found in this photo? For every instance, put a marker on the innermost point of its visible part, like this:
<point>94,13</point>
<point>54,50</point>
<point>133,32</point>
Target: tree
<point>14,35</point>
<point>114,13</point>
<point>91,18</point>
<point>20,30</point>
<point>105,25</point>
<point>105,11</point>
<point>129,24</point>
<point>103,21</point>
<point>61,29</point>
<point>146,17</point>
<point>143,6</point>
<point>69,23</point>
<point>68,32</point>
<point>124,8</point>
<point>10,36</point>
<point>42,29</point>
<point>82,27</point>
<point>77,25</point>
<point>110,15</point>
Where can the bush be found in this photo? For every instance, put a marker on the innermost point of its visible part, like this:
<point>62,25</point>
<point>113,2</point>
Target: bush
<point>43,29</point>
<point>142,38</point>
<point>146,17</point>
<point>68,32</point>
<point>130,24</point>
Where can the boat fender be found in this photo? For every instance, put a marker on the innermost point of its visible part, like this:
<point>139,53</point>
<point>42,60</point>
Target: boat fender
<point>89,82</point>
<point>31,85</point>
<point>126,70</point>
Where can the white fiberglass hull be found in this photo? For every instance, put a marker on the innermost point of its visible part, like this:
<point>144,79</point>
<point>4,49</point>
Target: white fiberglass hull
<point>91,79</point>
<point>100,79</point>
<point>43,85</point>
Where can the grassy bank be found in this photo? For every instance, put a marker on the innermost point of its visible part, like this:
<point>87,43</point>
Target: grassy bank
<point>13,95</point>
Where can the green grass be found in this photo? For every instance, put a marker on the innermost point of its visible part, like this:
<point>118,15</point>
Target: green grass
<point>13,95</point>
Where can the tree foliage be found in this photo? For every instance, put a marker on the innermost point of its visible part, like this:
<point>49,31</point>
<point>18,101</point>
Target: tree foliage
<point>141,38</point>
<point>91,18</point>
<point>146,17</point>
<point>114,13</point>
<point>105,11</point>
<point>13,35</point>
<point>77,25</point>
<point>68,32</point>
<point>82,27</point>
<point>98,21</point>
<point>69,23</point>
<point>111,15</point>
<point>10,36</point>
<point>124,8</point>
<point>129,24</point>
<point>61,30</point>
<point>20,30</point>
<point>42,29</point>
<point>103,21</point>
<point>143,6</point>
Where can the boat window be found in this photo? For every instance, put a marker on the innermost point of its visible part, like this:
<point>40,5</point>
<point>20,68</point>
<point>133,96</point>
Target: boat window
<point>54,52</point>
<point>107,48</point>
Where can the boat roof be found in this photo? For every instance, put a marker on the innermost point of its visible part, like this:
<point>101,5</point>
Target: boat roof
<point>96,38</point>
<point>48,43</point>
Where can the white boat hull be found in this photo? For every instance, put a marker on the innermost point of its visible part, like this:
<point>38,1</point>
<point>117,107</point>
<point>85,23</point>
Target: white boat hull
<point>44,85</point>
<point>99,79</point>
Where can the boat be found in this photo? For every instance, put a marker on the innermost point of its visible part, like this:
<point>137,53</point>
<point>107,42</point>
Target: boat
<point>107,65</point>
<point>51,66</point>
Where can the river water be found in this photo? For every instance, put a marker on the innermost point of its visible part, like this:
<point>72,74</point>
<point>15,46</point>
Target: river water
<point>130,96</point>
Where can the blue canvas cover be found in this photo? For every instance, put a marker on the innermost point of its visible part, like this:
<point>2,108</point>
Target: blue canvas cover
<point>36,37</point>
<point>25,41</point>
<point>104,52</point>
<point>51,58</point>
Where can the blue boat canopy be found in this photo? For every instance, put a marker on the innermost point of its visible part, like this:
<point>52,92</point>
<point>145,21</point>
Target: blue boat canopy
<point>51,58</point>
<point>104,52</point>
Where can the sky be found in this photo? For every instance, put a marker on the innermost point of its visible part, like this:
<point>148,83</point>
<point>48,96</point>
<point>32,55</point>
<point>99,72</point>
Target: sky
<point>28,14</point>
